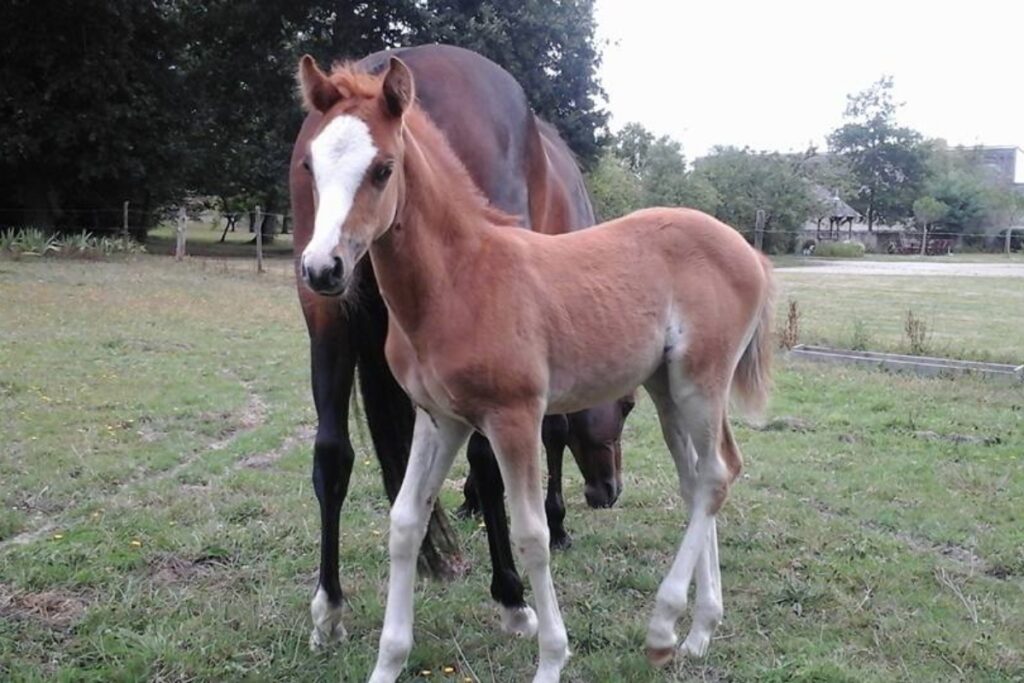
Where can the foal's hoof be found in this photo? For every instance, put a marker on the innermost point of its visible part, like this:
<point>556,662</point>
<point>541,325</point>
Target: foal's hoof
<point>660,657</point>
<point>696,646</point>
<point>562,541</point>
<point>519,621</point>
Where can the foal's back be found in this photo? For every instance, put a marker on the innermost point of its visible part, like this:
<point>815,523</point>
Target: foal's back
<point>653,282</point>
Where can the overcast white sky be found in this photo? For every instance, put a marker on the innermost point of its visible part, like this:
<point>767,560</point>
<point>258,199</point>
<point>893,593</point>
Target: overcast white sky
<point>774,74</point>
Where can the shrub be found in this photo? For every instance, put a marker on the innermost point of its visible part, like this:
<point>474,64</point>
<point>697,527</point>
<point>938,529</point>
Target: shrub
<point>34,242</point>
<point>840,249</point>
<point>789,336</point>
<point>916,331</point>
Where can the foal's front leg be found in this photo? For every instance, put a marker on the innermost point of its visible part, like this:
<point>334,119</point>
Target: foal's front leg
<point>435,442</point>
<point>515,435</point>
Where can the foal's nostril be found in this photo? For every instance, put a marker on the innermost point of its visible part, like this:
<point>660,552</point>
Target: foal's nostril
<point>337,269</point>
<point>303,270</point>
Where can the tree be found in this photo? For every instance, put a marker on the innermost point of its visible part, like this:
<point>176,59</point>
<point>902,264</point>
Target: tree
<point>928,211</point>
<point>746,181</point>
<point>887,160</point>
<point>91,110</point>
<point>548,46</point>
<point>658,164</point>
<point>614,189</point>
<point>102,101</point>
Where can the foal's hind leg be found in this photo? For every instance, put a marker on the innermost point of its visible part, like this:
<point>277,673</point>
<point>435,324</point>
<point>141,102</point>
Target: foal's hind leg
<point>689,416</point>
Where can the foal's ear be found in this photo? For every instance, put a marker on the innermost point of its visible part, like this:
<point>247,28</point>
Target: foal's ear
<point>398,88</point>
<point>318,93</point>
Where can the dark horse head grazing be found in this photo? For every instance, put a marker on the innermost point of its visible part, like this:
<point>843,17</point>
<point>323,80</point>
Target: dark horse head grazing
<point>522,168</point>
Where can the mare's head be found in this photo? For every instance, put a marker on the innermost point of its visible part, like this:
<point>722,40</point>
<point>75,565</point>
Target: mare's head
<point>595,441</point>
<point>355,159</point>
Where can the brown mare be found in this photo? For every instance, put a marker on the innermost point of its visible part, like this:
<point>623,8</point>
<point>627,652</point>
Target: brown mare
<point>522,167</point>
<point>490,329</point>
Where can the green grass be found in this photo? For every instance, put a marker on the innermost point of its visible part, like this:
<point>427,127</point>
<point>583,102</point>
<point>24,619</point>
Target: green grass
<point>967,317</point>
<point>876,534</point>
<point>203,239</point>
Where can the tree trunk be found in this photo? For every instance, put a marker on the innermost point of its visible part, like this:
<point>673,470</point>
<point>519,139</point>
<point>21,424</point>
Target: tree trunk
<point>871,210</point>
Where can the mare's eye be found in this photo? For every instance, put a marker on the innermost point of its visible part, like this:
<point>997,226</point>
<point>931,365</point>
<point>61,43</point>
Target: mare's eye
<point>381,174</point>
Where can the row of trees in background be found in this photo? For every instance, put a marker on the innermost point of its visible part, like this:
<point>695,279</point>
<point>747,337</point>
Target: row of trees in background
<point>103,101</point>
<point>887,172</point>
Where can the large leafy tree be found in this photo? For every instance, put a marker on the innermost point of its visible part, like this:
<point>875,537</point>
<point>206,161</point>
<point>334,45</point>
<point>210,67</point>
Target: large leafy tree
<point>747,181</point>
<point>107,100</point>
<point>887,160</point>
<point>91,109</point>
<point>548,45</point>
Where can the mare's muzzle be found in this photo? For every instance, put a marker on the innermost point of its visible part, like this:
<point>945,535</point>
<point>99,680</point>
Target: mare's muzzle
<point>602,493</point>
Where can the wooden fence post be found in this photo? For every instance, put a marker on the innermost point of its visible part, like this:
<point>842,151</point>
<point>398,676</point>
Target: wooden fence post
<point>924,238</point>
<point>126,222</point>
<point>1009,230</point>
<point>259,239</point>
<point>179,247</point>
<point>759,230</point>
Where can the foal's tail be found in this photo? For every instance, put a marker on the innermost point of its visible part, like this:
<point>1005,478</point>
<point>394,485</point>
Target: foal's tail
<point>752,380</point>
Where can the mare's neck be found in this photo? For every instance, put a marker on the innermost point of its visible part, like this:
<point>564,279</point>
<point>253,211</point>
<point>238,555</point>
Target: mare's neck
<point>439,229</point>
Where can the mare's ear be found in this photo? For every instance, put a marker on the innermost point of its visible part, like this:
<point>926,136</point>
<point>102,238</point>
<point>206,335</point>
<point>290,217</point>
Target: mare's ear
<point>398,90</point>
<point>318,93</point>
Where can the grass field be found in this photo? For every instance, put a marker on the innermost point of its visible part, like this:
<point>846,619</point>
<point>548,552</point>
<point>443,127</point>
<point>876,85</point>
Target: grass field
<point>158,522</point>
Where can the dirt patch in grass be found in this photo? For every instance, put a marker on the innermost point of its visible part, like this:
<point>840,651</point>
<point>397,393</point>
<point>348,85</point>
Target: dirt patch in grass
<point>52,608</point>
<point>171,568</point>
<point>266,459</point>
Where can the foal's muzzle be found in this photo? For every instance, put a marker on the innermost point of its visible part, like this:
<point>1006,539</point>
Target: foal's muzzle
<point>324,276</point>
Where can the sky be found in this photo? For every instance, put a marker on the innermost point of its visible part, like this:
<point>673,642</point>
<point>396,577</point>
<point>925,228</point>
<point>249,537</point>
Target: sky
<point>774,74</point>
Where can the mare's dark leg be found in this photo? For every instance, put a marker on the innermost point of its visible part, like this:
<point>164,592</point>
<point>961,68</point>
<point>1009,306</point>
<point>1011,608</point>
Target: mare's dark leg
<point>506,586</point>
<point>555,435</point>
<point>333,361</point>
<point>390,417</point>
<point>470,500</point>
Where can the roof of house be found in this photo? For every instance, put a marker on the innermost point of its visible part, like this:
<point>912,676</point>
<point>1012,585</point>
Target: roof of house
<point>831,205</point>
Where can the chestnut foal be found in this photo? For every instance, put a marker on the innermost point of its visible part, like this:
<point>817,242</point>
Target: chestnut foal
<point>490,329</point>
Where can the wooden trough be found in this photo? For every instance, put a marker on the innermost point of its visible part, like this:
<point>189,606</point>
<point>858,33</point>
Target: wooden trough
<point>919,365</point>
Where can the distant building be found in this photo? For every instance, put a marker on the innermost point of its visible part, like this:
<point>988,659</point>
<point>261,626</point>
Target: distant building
<point>1005,164</point>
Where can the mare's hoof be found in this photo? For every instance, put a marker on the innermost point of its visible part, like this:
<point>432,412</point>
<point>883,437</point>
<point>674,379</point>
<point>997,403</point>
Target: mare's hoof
<point>328,628</point>
<point>660,657</point>
<point>320,640</point>
<point>465,511</point>
<point>520,622</point>
<point>562,541</point>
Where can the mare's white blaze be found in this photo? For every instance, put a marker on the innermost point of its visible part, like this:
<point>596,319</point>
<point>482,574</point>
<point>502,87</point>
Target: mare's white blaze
<point>340,156</point>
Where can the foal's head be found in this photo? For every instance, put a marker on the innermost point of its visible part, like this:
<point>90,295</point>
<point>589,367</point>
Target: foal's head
<point>355,158</point>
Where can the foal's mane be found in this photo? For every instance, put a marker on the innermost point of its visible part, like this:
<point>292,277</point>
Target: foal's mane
<point>452,183</point>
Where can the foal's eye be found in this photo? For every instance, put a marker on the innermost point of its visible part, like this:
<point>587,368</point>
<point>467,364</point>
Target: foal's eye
<point>306,166</point>
<point>381,174</point>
